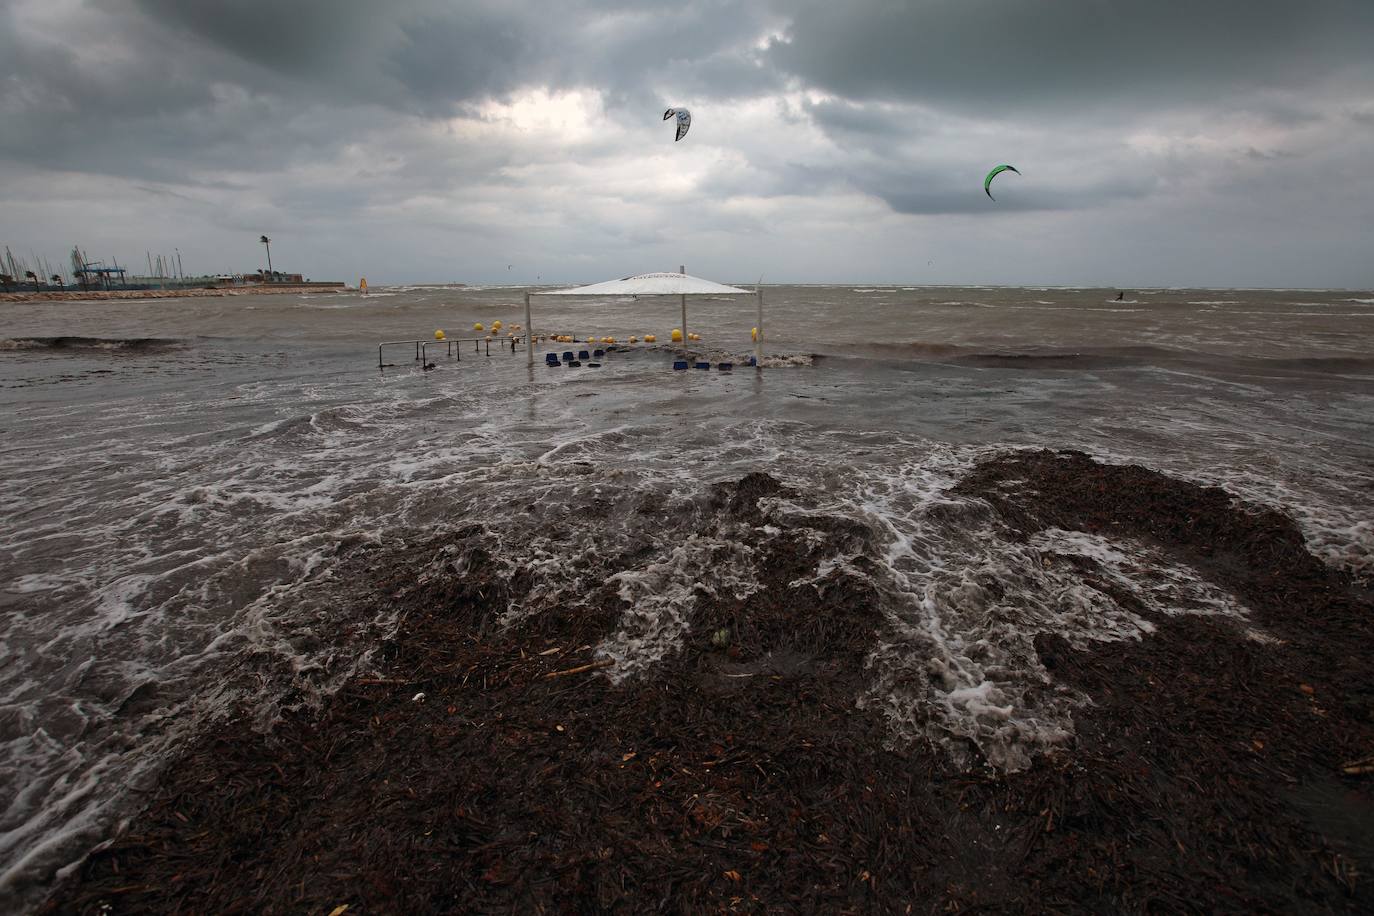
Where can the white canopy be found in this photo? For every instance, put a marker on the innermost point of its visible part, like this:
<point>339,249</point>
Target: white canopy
<point>656,284</point>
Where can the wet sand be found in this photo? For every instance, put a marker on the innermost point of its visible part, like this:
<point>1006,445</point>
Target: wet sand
<point>1222,764</point>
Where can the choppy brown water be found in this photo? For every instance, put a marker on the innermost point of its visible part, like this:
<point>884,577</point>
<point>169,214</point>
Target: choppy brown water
<point>182,477</point>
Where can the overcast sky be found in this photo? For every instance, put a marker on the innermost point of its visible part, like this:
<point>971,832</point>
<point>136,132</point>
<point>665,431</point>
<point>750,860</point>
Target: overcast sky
<point>1161,142</point>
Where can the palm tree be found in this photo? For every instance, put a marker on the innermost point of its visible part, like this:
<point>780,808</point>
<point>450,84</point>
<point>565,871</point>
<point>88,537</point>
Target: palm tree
<point>30,275</point>
<point>268,242</point>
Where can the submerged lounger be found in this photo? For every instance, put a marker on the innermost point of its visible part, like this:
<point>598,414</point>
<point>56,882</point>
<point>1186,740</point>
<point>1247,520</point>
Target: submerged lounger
<point>680,364</point>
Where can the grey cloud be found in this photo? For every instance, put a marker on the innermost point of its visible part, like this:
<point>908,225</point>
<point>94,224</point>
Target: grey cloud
<point>992,56</point>
<point>187,86</point>
<point>1268,155</point>
<point>851,121</point>
<point>428,55</point>
<point>917,191</point>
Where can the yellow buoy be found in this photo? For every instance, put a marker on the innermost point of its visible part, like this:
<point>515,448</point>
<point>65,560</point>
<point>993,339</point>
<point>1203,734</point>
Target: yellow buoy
<point>753,333</point>
<point>677,335</point>
<point>608,340</point>
<point>496,325</point>
<point>488,338</point>
<point>634,339</point>
<point>438,335</point>
<point>693,336</point>
<point>478,327</point>
<point>650,338</point>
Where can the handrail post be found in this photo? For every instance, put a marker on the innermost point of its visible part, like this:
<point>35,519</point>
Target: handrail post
<point>529,331</point>
<point>758,338</point>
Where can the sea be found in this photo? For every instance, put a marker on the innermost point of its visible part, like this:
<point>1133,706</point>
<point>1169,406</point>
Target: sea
<point>191,489</point>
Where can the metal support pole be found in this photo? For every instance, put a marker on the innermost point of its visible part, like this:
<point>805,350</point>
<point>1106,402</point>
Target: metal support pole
<point>529,331</point>
<point>682,269</point>
<point>758,339</point>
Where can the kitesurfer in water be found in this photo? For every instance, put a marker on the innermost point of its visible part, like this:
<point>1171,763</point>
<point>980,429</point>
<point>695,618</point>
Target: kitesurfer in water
<point>1120,296</point>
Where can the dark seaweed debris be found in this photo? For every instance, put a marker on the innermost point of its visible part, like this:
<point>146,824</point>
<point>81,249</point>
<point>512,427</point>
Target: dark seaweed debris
<point>739,774</point>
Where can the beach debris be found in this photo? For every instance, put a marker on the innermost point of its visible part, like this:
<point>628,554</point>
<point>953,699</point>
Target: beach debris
<point>987,182</point>
<point>604,663</point>
<point>766,766</point>
<point>684,121</point>
<point>1362,767</point>
<point>418,698</point>
<point>339,910</point>
<point>721,638</point>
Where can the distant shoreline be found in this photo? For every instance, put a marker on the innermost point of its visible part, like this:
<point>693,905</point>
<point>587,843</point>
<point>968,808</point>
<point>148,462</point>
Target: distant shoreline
<point>102,294</point>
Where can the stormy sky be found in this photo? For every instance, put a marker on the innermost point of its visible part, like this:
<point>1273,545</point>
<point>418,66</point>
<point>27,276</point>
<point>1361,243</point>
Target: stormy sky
<point>1217,143</point>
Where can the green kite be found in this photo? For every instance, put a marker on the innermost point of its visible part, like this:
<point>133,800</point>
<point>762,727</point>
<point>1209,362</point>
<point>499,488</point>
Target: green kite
<point>987,182</point>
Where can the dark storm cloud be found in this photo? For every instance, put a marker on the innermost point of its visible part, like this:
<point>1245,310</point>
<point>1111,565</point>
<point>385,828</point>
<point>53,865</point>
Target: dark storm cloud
<point>860,122</point>
<point>917,193</point>
<point>1000,55</point>
<point>429,54</point>
<point>158,89</point>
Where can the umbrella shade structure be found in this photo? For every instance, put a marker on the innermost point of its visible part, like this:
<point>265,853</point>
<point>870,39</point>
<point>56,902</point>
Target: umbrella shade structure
<point>660,284</point>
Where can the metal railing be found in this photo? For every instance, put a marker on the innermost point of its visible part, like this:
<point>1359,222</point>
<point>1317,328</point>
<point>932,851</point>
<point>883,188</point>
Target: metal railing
<point>422,347</point>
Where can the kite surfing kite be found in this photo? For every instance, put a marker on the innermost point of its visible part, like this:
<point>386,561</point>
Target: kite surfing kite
<point>684,121</point>
<point>987,182</point>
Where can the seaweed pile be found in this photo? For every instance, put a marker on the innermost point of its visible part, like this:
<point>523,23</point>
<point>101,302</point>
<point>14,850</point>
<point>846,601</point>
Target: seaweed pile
<point>487,764</point>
